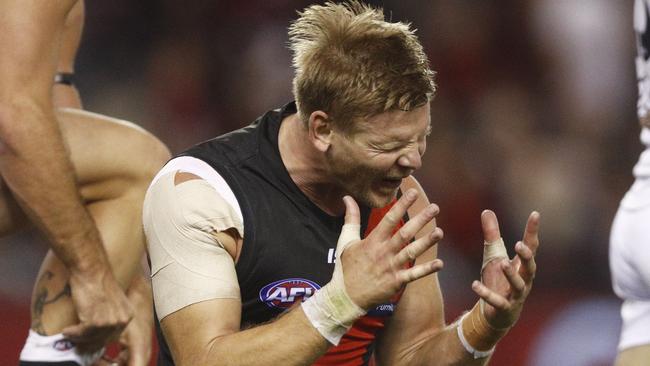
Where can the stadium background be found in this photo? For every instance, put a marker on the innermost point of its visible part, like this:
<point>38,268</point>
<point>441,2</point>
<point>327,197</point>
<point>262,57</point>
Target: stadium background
<point>535,110</point>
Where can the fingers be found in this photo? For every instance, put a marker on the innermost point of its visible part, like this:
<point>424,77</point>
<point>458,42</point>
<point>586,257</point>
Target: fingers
<point>90,338</point>
<point>107,361</point>
<point>490,296</point>
<point>134,358</point>
<point>517,283</point>
<point>351,230</point>
<point>413,226</point>
<point>352,213</point>
<point>531,233</point>
<point>410,252</point>
<point>418,271</point>
<point>527,250</point>
<point>490,226</point>
<point>503,301</point>
<point>135,355</point>
<point>73,332</point>
<point>527,259</point>
<point>385,227</point>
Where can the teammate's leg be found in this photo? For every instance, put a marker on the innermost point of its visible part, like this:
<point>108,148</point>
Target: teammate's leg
<point>114,162</point>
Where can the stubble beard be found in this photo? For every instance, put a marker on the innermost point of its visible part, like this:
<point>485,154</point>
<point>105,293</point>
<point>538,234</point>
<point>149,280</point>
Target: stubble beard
<point>357,180</point>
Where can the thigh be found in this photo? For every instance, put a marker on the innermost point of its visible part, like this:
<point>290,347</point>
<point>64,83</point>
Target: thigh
<point>114,162</point>
<point>110,157</point>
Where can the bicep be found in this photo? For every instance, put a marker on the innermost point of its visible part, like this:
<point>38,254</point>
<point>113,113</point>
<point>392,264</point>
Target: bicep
<point>191,331</point>
<point>420,311</point>
<point>196,292</point>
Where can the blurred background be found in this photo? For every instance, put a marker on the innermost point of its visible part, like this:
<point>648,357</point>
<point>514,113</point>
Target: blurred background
<point>535,110</point>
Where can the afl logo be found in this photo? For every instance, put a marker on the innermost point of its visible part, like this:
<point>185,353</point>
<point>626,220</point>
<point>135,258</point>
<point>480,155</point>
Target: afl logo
<point>63,345</point>
<point>284,293</point>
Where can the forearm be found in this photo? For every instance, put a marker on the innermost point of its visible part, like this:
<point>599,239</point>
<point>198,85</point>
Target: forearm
<point>35,165</point>
<point>140,296</point>
<point>289,340</point>
<point>442,348</point>
<point>468,341</point>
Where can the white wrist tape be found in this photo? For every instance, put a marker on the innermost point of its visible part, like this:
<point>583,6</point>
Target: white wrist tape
<point>468,347</point>
<point>493,250</point>
<point>331,310</point>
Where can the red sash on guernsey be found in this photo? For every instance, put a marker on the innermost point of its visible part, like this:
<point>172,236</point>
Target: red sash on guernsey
<point>354,346</point>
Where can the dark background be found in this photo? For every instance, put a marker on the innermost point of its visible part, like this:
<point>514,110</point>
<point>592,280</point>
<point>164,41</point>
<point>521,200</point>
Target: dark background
<point>535,110</point>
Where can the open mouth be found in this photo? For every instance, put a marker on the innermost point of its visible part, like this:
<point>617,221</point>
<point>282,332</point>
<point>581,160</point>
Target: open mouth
<point>391,182</point>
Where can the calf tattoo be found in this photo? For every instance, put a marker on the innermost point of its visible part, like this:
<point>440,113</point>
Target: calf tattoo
<point>41,300</point>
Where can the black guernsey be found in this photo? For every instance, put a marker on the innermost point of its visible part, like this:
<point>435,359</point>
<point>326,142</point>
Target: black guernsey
<point>288,247</point>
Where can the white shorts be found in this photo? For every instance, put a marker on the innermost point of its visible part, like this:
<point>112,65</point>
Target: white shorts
<point>54,348</point>
<point>629,260</point>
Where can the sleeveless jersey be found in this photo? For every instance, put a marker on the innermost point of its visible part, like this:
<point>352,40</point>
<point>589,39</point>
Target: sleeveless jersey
<point>289,242</point>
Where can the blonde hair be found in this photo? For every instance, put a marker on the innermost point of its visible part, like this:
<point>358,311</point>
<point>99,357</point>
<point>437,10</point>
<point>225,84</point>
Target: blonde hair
<point>351,63</point>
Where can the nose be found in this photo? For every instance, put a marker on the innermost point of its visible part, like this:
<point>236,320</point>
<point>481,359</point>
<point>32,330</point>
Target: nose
<point>411,159</point>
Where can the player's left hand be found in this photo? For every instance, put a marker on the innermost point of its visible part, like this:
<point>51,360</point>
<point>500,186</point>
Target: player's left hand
<point>135,341</point>
<point>506,283</point>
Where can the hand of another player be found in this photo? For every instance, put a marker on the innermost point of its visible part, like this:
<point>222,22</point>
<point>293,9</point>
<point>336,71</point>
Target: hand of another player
<point>135,341</point>
<point>506,283</point>
<point>376,268</point>
<point>102,308</point>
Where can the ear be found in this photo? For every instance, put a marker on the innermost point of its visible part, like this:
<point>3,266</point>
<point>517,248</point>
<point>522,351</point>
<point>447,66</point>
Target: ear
<point>320,130</point>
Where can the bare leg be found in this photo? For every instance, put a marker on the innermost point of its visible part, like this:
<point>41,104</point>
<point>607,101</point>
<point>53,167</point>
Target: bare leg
<point>114,163</point>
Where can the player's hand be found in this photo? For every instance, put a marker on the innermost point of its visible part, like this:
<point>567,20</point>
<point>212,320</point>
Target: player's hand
<point>134,344</point>
<point>102,308</point>
<point>135,341</point>
<point>376,268</point>
<point>506,283</point>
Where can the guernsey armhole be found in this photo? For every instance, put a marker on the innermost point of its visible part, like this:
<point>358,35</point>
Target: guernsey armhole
<point>200,168</point>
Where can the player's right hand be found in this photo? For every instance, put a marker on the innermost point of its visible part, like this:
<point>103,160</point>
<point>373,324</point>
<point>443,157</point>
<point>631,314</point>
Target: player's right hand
<point>103,310</point>
<point>377,267</point>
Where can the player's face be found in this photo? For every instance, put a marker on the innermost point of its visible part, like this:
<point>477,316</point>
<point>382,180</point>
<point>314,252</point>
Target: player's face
<point>371,163</point>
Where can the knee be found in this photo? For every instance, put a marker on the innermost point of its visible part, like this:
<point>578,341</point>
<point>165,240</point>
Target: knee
<point>146,158</point>
<point>153,155</point>
<point>124,167</point>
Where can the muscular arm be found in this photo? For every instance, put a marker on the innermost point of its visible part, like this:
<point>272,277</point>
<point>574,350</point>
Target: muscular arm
<point>33,159</point>
<point>208,332</point>
<point>409,336</point>
<point>417,334</point>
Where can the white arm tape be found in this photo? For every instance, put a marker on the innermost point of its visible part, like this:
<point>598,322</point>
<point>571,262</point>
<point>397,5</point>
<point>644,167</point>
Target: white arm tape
<point>468,347</point>
<point>493,250</point>
<point>331,310</point>
<point>188,263</point>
